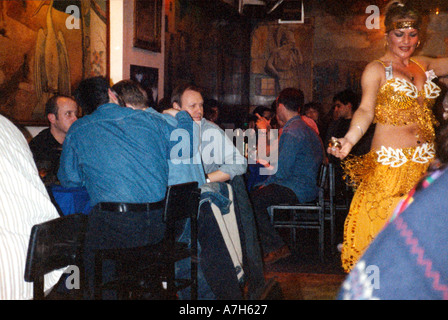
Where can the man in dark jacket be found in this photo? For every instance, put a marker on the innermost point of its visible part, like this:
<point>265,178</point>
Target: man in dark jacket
<point>61,112</point>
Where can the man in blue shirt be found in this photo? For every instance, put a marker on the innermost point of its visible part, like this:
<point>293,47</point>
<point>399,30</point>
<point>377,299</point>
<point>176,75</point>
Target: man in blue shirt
<point>300,156</point>
<point>119,155</point>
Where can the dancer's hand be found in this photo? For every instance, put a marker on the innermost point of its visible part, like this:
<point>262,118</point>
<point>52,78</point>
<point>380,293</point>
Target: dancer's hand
<point>339,147</point>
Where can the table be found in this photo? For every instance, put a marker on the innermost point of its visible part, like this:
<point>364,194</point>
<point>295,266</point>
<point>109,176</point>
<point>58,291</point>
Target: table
<point>70,200</point>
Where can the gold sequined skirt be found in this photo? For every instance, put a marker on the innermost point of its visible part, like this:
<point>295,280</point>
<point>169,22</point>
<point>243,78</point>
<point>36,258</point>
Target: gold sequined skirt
<point>381,178</point>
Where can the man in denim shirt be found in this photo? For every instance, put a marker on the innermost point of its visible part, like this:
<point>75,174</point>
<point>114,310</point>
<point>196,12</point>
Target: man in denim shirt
<point>300,156</point>
<point>119,155</point>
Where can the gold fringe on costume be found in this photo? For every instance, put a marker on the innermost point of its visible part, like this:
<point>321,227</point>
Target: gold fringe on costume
<point>381,178</point>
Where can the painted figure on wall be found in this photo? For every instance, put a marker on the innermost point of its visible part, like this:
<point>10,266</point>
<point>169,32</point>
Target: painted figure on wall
<point>36,48</point>
<point>46,47</point>
<point>284,62</point>
<point>51,64</point>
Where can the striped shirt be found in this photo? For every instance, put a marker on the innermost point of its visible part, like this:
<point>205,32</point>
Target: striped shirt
<point>24,202</point>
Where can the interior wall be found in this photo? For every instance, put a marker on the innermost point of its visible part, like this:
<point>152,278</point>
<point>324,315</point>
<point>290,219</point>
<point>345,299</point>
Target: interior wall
<point>214,54</point>
<point>122,52</point>
<point>137,56</point>
<point>210,47</point>
<point>342,47</point>
<point>116,39</point>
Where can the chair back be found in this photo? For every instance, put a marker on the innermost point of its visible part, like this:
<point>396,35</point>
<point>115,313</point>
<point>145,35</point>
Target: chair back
<point>331,181</point>
<point>322,182</point>
<point>53,245</point>
<point>323,174</point>
<point>182,202</point>
<point>309,215</point>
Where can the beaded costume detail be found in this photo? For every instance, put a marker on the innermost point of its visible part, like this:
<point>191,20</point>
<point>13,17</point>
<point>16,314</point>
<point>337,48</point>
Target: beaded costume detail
<point>397,104</point>
<point>383,177</point>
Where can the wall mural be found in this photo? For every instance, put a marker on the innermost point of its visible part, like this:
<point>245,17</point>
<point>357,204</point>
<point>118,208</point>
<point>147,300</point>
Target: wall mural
<point>47,47</point>
<point>281,56</point>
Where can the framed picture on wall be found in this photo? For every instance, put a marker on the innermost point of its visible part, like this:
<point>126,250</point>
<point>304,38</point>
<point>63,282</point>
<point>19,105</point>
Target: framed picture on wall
<point>148,25</point>
<point>48,47</point>
<point>148,78</point>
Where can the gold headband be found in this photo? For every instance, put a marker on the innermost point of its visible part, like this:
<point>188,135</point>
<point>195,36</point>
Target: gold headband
<point>412,24</point>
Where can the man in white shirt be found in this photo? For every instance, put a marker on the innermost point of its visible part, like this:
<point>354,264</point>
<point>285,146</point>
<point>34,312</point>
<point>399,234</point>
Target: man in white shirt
<point>24,202</point>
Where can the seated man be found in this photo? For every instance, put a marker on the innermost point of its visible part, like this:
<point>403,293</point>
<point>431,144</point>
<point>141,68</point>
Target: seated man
<point>119,155</point>
<point>299,158</point>
<point>61,112</point>
<point>130,94</point>
<point>25,202</point>
<point>221,160</point>
<point>222,163</point>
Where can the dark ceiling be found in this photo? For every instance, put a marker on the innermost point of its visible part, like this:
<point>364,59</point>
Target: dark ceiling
<point>229,8</point>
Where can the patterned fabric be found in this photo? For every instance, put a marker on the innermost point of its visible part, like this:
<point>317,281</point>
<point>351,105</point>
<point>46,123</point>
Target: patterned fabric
<point>408,259</point>
<point>424,183</point>
<point>24,202</point>
<point>383,178</point>
<point>397,104</point>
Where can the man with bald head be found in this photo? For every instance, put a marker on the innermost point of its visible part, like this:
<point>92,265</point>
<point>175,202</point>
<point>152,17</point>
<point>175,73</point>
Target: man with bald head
<point>61,112</point>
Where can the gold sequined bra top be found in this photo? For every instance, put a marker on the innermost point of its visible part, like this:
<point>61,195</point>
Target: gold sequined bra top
<point>397,103</point>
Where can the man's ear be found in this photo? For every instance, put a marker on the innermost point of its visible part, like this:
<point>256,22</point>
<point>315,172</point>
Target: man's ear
<point>51,117</point>
<point>176,106</point>
<point>113,97</point>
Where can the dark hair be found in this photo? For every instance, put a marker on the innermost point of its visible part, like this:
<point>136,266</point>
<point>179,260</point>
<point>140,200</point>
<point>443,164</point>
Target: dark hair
<point>347,96</point>
<point>398,10</point>
<point>164,104</point>
<point>312,105</point>
<point>293,99</point>
<point>91,93</point>
<point>179,91</point>
<point>210,106</point>
<point>261,109</point>
<point>52,104</point>
<point>130,92</point>
<point>442,144</point>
